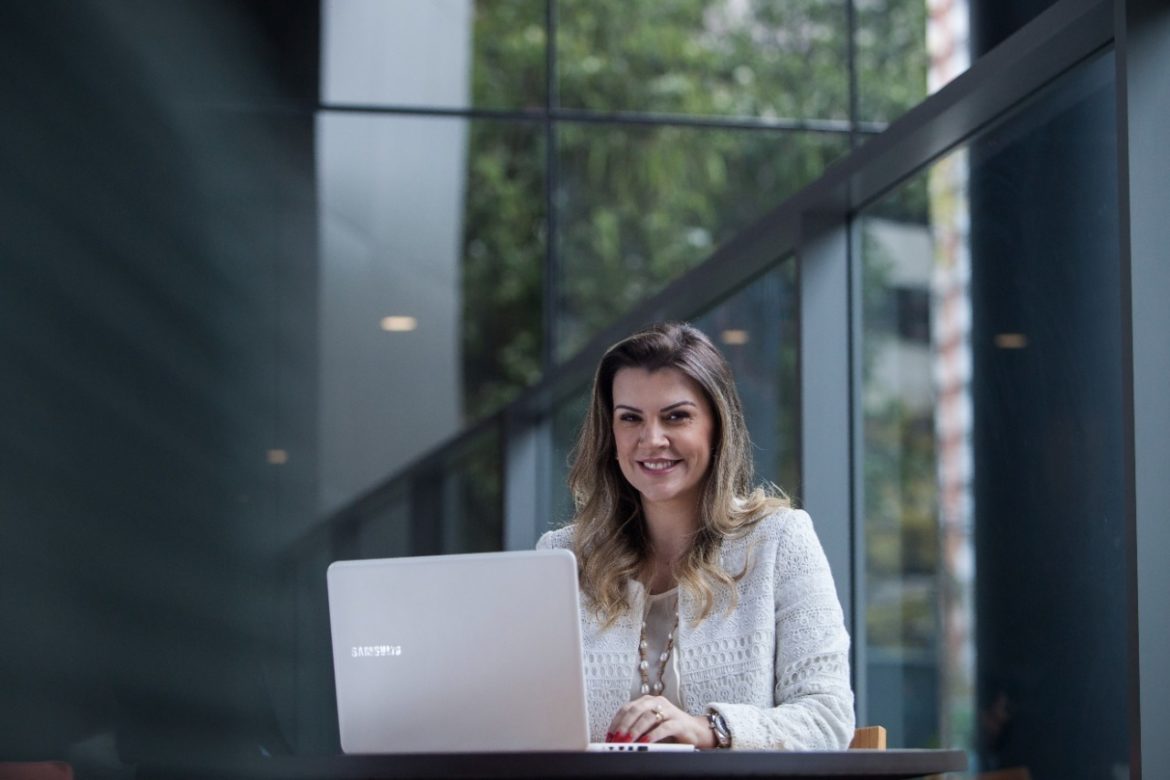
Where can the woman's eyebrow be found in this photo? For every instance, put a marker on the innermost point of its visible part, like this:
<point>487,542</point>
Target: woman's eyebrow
<point>672,407</point>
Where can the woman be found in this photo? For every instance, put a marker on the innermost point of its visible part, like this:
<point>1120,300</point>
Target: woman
<point>710,615</point>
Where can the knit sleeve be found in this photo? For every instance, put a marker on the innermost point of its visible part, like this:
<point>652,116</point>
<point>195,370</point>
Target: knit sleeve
<point>814,700</point>
<point>557,539</point>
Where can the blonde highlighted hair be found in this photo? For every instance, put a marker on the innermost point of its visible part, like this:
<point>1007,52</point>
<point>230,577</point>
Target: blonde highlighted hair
<point>611,542</point>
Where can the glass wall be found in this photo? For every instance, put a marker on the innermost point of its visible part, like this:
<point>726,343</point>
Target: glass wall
<point>587,154</point>
<point>432,234</point>
<point>992,406</point>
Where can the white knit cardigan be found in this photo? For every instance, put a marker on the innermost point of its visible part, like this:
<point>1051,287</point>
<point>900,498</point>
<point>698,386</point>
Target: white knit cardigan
<point>776,668</point>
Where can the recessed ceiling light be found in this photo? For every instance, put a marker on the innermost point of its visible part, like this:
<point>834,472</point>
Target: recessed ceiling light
<point>1011,340</point>
<point>735,336</point>
<point>399,324</point>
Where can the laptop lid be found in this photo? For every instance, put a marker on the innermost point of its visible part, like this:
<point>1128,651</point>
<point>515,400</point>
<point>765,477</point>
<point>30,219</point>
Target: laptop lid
<point>458,653</point>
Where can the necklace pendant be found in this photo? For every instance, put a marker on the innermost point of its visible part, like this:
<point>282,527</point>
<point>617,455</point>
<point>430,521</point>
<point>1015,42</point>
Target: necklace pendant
<point>645,689</point>
<point>657,688</point>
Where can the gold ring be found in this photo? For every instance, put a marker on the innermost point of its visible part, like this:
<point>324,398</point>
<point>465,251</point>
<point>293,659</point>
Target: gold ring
<point>658,714</point>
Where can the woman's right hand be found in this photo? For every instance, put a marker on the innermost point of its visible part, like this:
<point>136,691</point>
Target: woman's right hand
<point>657,719</point>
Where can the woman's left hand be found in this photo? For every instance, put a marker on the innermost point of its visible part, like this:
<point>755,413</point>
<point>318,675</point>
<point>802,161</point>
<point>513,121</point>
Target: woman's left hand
<point>656,719</point>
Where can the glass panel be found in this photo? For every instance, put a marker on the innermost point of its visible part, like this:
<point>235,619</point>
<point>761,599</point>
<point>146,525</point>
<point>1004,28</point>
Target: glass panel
<point>893,66</point>
<point>775,60</point>
<point>993,456</point>
<point>385,531</point>
<point>504,247</point>
<point>436,54</point>
<point>756,329</point>
<point>638,206</point>
<point>901,472</point>
<point>431,255</point>
<point>471,498</point>
<point>566,424</point>
<point>310,684</point>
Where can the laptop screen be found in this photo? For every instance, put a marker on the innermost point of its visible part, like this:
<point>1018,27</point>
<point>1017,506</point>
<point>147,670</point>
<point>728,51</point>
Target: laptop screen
<point>458,653</point>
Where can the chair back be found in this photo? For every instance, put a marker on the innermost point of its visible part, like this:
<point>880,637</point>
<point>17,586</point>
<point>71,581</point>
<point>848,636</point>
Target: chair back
<point>869,738</point>
<point>35,770</point>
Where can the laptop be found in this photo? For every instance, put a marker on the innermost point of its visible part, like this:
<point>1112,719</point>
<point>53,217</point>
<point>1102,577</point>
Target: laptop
<point>461,653</point>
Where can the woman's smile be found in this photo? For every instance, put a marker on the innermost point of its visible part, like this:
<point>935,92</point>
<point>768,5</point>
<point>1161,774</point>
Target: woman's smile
<point>658,465</point>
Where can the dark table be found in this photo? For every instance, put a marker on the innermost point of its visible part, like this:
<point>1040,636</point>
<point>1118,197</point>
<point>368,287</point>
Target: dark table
<point>883,764</point>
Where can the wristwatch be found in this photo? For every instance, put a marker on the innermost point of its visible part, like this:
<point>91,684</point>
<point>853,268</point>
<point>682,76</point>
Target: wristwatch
<point>719,729</point>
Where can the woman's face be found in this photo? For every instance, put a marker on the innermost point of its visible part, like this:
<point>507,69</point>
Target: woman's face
<point>663,428</point>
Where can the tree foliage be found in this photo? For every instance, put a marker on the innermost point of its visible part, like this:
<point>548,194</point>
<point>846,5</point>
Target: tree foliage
<point>638,204</point>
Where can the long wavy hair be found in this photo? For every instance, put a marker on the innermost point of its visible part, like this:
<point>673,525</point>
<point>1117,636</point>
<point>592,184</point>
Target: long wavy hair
<point>611,542</point>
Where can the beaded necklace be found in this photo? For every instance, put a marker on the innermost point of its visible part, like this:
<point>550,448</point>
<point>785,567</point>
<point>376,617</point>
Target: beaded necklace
<point>663,657</point>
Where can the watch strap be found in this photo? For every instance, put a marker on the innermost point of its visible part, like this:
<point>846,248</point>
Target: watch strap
<point>719,729</point>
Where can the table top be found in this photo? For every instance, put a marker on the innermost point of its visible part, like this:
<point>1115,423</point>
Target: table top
<point>836,765</point>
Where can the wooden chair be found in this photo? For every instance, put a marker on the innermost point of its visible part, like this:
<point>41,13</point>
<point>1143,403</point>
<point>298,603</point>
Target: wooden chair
<point>35,770</point>
<point>869,738</point>
<point>1011,773</point>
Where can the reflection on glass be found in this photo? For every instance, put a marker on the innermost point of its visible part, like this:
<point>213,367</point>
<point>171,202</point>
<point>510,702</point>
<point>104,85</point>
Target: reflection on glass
<point>992,420</point>
<point>891,51</point>
<point>430,275</point>
<point>774,60</point>
<point>385,532</point>
<point>901,466</point>
<point>566,424</point>
<point>638,206</point>
<point>470,498</point>
<point>504,245</point>
<point>756,329</point>
<point>436,54</point>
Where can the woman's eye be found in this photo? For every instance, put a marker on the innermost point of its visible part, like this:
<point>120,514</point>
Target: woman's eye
<point>627,417</point>
<point>678,416</point>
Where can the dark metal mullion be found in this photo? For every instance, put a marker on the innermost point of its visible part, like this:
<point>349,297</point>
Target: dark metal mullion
<point>1143,102</point>
<point>584,116</point>
<point>851,64</point>
<point>855,469</point>
<point>854,474</point>
<point>499,114</point>
<point>551,287</point>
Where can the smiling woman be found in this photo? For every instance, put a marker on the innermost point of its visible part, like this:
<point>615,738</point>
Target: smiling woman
<point>710,615</point>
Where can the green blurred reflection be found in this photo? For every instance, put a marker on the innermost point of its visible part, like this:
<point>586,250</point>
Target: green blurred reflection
<point>761,59</point>
<point>640,205</point>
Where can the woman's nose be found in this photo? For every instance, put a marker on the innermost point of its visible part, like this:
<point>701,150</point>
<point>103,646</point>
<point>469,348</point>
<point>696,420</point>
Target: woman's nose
<point>652,434</point>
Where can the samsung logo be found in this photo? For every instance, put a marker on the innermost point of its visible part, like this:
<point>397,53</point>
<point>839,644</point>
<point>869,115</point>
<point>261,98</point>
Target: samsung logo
<point>375,651</point>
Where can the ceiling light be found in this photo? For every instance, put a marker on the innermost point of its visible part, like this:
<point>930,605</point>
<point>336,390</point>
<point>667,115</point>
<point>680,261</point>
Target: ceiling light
<point>1011,340</point>
<point>399,324</point>
<point>735,337</point>
<point>277,457</point>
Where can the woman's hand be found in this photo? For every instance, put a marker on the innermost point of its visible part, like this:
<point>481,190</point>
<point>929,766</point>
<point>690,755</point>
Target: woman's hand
<point>656,719</point>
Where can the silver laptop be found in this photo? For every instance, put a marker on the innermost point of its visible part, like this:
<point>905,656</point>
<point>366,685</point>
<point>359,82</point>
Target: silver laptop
<point>460,653</point>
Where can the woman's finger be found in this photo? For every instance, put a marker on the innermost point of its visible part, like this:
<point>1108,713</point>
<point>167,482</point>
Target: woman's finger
<point>637,717</point>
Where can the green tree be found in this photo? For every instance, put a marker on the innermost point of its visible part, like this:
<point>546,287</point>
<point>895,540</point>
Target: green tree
<point>637,205</point>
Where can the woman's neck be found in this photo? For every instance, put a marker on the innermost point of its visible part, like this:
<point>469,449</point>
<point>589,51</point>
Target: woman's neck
<point>671,535</point>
